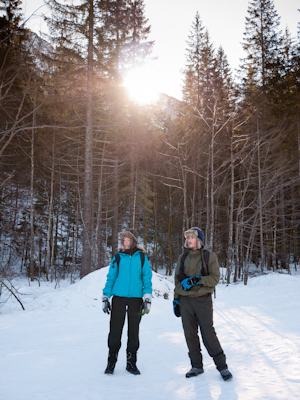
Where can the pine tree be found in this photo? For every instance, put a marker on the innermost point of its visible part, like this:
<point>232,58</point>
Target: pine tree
<point>262,41</point>
<point>193,81</point>
<point>264,72</point>
<point>101,39</point>
<point>209,89</point>
<point>121,43</point>
<point>225,89</point>
<point>121,37</point>
<point>11,32</point>
<point>16,71</point>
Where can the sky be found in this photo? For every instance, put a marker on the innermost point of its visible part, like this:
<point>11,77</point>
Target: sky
<point>57,348</point>
<point>171,22</point>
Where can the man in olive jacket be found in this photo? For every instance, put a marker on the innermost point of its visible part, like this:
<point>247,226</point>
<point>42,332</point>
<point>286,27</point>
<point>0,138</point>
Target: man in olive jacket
<point>197,273</point>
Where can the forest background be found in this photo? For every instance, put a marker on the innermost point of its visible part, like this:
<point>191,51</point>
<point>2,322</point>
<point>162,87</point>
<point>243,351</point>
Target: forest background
<point>80,160</point>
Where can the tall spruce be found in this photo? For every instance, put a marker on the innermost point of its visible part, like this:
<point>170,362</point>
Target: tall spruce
<point>262,41</point>
<point>193,82</point>
<point>14,60</point>
<point>209,89</point>
<point>123,39</point>
<point>72,30</point>
<point>262,44</point>
<point>102,38</point>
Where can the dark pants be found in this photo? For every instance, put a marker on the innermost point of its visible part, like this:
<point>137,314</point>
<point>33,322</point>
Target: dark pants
<point>198,312</point>
<point>121,305</point>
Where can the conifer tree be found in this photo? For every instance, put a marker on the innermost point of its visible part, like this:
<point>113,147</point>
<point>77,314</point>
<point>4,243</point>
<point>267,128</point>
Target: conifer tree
<point>209,89</point>
<point>72,28</point>
<point>262,41</point>
<point>100,38</point>
<point>11,31</point>
<point>16,71</point>
<point>263,44</point>
<point>193,81</point>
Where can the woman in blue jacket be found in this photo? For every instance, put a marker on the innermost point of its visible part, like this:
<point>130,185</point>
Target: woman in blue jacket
<point>129,282</point>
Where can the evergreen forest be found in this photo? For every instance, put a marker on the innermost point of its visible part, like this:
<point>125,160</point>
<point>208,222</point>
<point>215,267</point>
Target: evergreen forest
<point>80,161</point>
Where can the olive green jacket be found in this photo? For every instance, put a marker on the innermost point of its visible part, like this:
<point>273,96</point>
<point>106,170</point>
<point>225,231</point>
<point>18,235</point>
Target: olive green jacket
<point>192,267</point>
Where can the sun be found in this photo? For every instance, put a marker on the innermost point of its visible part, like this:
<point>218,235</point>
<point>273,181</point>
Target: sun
<point>142,84</point>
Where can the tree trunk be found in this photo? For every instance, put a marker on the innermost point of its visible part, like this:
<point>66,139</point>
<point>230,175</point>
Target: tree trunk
<point>115,222</point>
<point>32,202</point>
<point>50,217</point>
<point>88,164</point>
<point>74,249</point>
<point>230,235</point>
<point>260,210</point>
<point>169,265</point>
<point>98,241</point>
<point>212,184</point>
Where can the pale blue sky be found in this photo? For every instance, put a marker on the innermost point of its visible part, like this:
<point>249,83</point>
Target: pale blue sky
<point>171,22</point>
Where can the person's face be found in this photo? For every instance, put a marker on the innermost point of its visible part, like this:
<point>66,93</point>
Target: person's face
<point>192,242</point>
<point>126,242</point>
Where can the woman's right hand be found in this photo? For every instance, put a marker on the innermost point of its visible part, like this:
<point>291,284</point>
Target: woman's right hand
<point>105,305</point>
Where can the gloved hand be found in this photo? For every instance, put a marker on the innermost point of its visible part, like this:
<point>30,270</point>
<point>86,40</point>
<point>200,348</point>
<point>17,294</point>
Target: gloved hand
<point>176,308</point>
<point>146,307</point>
<point>105,305</point>
<point>188,283</point>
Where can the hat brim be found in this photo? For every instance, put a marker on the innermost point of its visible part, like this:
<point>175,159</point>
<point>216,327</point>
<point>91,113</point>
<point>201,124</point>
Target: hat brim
<point>127,234</point>
<point>190,233</point>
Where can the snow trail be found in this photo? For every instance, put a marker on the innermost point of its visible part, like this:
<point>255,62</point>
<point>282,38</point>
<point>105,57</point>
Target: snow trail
<point>57,348</point>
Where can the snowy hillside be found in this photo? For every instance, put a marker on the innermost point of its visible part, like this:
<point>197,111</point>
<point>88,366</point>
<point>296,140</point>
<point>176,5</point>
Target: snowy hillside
<point>57,348</point>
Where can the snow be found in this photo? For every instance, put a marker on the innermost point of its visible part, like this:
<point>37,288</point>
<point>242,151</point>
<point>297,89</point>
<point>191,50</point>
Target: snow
<point>57,348</point>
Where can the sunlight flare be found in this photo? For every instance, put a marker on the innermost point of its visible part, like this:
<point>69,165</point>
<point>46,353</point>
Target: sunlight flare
<point>142,84</point>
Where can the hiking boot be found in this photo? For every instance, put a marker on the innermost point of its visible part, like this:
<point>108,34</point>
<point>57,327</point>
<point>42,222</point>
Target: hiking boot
<point>111,363</point>
<point>110,368</point>
<point>131,364</point>
<point>226,374</point>
<point>194,372</point>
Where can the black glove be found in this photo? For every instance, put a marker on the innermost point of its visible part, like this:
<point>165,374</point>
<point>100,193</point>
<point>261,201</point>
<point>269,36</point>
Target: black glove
<point>176,308</point>
<point>105,305</point>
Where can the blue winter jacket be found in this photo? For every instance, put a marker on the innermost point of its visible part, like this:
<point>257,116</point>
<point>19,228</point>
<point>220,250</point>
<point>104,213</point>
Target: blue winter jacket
<point>130,279</point>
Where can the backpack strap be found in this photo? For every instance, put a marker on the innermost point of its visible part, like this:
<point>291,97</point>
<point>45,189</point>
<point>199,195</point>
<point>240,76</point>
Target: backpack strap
<point>206,254</point>
<point>205,260</point>
<point>142,254</point>
<point>183,257</point>
<point>118,259</point>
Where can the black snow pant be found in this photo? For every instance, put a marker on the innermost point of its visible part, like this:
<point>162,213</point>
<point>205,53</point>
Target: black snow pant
<point>198,311</point>
<point>121,305</point>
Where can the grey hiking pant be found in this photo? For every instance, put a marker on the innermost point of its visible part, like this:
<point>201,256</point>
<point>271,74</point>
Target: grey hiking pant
<point>198,312</point>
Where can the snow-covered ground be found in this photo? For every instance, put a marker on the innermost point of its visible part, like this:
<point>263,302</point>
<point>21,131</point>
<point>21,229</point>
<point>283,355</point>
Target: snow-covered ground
<point>57,348</point>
